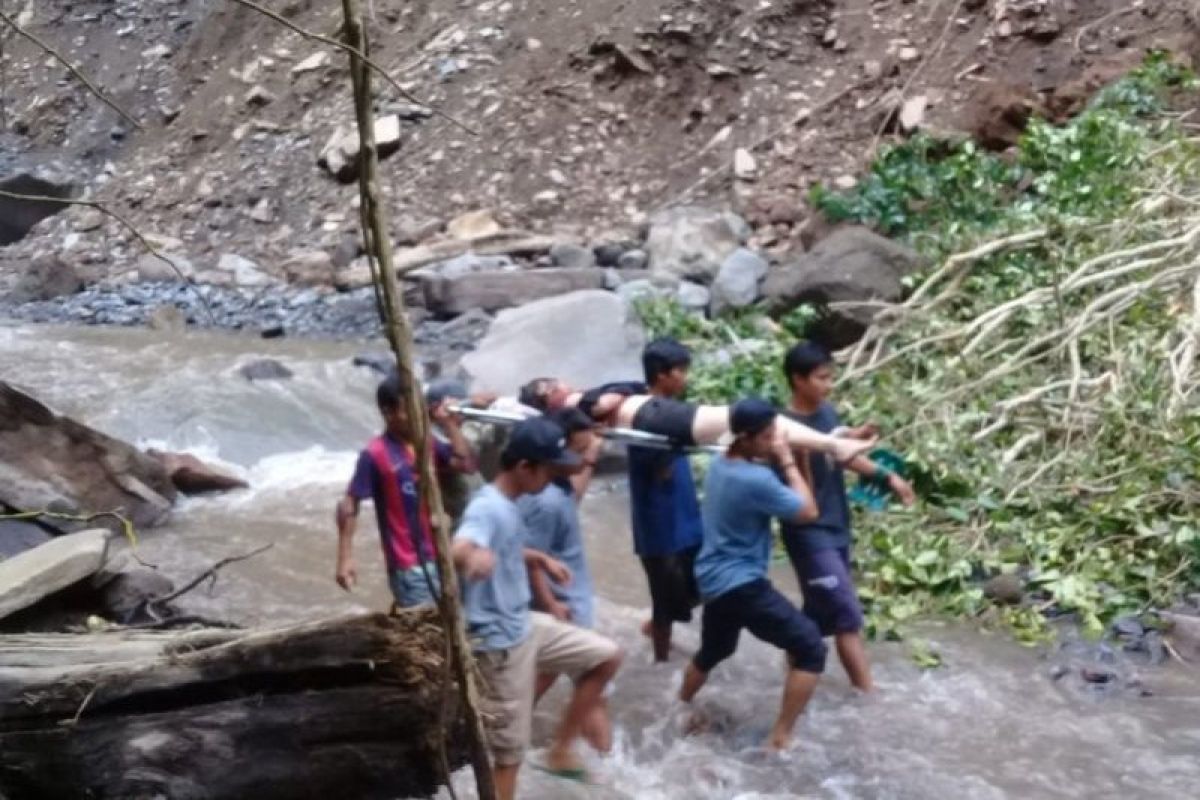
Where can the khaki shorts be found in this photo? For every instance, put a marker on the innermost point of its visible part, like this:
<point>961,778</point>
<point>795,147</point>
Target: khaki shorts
<point>509,677</point>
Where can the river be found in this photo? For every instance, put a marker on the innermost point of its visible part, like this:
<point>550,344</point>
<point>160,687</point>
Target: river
<point>993,722</point>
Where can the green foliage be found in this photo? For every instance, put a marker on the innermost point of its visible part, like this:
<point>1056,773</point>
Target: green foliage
<point>1092,498</point>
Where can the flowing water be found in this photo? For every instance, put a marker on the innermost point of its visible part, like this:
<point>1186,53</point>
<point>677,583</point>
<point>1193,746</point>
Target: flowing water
<point>991,723</point>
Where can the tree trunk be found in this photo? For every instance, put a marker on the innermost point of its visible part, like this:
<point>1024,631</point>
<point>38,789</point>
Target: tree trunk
<point>343,707</point>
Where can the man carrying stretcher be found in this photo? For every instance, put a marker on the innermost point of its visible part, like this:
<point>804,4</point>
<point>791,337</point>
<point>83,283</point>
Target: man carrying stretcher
<point>628,405</point>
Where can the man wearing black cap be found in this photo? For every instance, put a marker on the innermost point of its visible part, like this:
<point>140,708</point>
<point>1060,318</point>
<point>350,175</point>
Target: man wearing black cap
<point>512,643</point>
<point>741,497</point>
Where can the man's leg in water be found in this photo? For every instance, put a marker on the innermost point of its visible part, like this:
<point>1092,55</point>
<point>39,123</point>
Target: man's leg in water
<point>597,727</point>
<point>797,691</point>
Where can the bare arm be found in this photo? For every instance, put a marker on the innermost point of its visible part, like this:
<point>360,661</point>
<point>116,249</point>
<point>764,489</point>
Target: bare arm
<point>463,459</point>
<point>543,596</point>
<point>786,461</point>
<point>347,522</point>
<point>582,479</point>
<point>869,469</point>
<point>474,562</point>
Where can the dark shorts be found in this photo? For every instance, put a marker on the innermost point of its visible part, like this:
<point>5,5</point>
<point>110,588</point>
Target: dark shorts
<point>829,595</point>
<point>759,608</point>
<point>667,417</point>
<point>673,592</point>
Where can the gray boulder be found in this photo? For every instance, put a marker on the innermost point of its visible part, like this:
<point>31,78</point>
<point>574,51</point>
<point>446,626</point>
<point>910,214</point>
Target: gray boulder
<point>340,154</point>
<point>157,268</point>
<point>27,578</point>
<point>468,264</point>
<point>572,256</point>
<point>126,594</point>
<point>310,268</point>
<point>585,338</point>
<point>244,271</point>
<point>693,296</point>
<point>633,259</point>
<point>17,536</point>
<point>52,462</point>
<point>692,242</point>
<point>737,281</point>
<point>18,215</point>
<point>492,291</point>
<point>264,369</point>
<point>851,265</point>
<point>46,277</point>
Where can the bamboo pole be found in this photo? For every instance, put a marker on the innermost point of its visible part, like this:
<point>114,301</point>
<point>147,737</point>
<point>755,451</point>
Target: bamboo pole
<point>399,335</point>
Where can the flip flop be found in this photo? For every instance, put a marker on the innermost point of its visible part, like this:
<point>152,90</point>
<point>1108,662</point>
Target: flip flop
<point>577,774</point>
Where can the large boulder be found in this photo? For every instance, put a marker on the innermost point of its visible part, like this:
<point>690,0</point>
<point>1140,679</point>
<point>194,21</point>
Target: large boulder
<point>27,578</point>
<point>737,281</point>
<point>17,536</point>
<point>585,338</point>
<point>692,242</point>
<point>851,265</point>
<point>46,277</point>
<point>340,154</point>
<point>18,215</point>
<point>190,475</point>
<point>51,462</point>
<point>492,291</point>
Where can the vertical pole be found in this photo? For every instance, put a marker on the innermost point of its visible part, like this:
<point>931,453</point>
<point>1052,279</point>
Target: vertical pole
<point>399,335</point>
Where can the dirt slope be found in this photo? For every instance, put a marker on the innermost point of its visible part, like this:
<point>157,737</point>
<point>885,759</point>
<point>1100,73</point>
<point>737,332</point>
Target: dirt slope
<point>586,114</point>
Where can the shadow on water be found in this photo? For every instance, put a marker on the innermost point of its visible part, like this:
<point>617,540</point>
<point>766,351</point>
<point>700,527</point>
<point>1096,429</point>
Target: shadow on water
<point>992,723</point>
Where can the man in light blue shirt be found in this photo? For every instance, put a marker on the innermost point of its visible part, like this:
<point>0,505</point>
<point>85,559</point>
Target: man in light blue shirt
<point>741,496</point>
<point>512,643</point>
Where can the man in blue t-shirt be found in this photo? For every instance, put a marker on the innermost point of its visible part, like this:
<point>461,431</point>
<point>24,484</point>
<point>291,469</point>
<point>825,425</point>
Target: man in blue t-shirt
<point>741,497</point>
<point>820,550</point>
<point>512,643</point>
<point>667,530</point>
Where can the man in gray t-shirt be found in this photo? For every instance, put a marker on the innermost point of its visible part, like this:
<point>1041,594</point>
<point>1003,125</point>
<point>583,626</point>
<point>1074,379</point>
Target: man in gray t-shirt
<point>512,643</point>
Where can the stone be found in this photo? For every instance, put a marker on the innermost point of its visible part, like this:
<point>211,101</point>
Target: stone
<point>492,291</point>
<point>908,54</point>
<point>467,264</point>
<point>690,242</point>
<point>850,265</point>
<point>192,476</point>
<point>532,341</point>
<point>340,154</point>
<point>258,96</point>
<point>35,574</point>
<point>693,296</point>
<point>355,276</point>
<point>1184,634</point>
<point>244,271</point>
<point>167,318</point>
<point>572,256</point>
<point>263,211</point>
<point>88,220</point>
<point>633,259</point>
<point>872,70</point>
<point>18,216</point>
<point>1004,589</point>
<point>473,225</point>
<point>608,254</point>
<point>124,596</point>
<point>912,113</point>
<point>48,461</point>
<point>47,276</point>
<point>310,268</point>
<point>736,284</point>
<point>745,168</point>
<point>264,369</point>
<point>17,536</point>
<point>382,363</point>
<point>318,60</point>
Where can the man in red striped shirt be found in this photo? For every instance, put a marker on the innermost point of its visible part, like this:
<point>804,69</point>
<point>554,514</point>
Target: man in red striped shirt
<point>387,474</point>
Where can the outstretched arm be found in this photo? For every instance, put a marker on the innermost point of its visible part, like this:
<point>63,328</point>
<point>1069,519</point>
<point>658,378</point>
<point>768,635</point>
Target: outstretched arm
<point>869,469</point>
<point>346,516</point>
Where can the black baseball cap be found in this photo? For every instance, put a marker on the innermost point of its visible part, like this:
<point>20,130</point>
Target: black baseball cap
<point>541,441</point>
<point>750,416</point>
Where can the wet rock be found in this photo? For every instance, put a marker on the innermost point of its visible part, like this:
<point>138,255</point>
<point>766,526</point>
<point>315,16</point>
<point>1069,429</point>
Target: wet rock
<point>264,369</point>
<point>527,342</point>
<point>49,461</point>
<point>167,318</point>
<point>340,154</point>
<point>633,259</point>
<point>495,290</point>
<point>126,594</point>
<point>572,256</point>
<point>636,291</point>
<point>851,265</point>
<point>607,255</point>
<point>311,268</point>
<point>383,363</point>
<point>1097,676</point>
<point>691,242</point>
<point>1004,589</point>
<point>1128,628</point>
<point>473,225</point>
<point>1183,634</point>
<point>736,284</point>
<point>192,476</point>
<point>18,216</point>
<point>17,536</point>
<point>47,276</point>
<point>158,269</point>
<point>65,560</point>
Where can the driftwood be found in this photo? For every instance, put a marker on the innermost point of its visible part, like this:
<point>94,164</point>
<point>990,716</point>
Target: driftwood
<point>343,707</point>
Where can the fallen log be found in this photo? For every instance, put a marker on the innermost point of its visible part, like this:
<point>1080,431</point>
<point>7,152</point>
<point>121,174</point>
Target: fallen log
<point>343,707</point>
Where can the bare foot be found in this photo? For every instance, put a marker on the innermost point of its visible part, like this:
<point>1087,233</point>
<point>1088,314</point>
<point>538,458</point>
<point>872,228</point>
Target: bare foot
<point>697,723</point>
<point>778,741</point>
<point>563,761</point>
<point>648,629</point>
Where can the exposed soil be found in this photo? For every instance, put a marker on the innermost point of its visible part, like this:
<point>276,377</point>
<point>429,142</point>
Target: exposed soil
<point>586,116</point>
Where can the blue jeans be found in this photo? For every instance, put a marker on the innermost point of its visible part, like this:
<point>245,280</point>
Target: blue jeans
<point>410,588</point>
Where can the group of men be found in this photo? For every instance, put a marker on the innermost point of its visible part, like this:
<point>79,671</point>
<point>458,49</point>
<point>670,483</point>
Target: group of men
<point>527,591</point>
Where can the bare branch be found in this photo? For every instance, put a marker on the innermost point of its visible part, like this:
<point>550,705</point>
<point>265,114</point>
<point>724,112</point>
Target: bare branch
<point>129,226</point>
<point>108,101</point>
<point>383,73</point>
<point>209,574</point>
